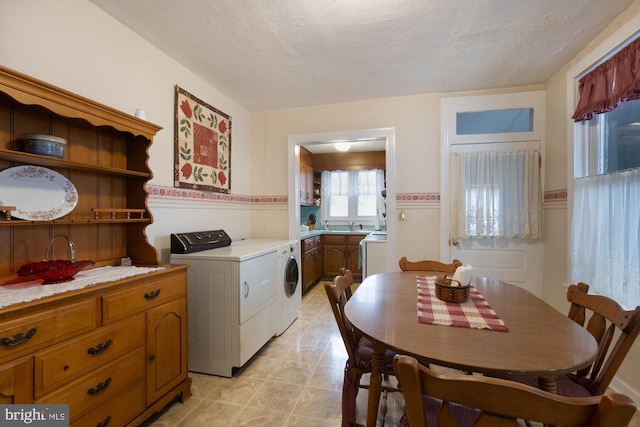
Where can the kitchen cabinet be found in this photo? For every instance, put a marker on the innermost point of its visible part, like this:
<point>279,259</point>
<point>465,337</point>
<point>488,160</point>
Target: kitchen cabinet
<point>317,188</point>
<point>342,251</point>
<point>306,184</point>
<point>312,261</point>
<point>116,352</point>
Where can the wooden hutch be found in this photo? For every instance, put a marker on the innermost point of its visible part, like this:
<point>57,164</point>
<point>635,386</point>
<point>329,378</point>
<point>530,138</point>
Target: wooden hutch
<point>116,352</point>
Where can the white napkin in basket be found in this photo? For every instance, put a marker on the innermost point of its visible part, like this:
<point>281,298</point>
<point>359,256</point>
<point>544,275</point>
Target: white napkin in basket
<point>462,275</point>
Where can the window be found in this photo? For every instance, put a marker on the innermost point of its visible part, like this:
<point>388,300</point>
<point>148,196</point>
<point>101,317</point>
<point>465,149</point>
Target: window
<point>605,230</point>
<point>498,194</point>
<point>605,225</point>
<point>494,121</point>
<point>611,141</point>
<point>352,195</point>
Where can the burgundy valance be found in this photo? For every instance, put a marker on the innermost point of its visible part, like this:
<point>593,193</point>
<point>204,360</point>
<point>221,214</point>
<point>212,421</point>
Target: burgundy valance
<point>614,81</point>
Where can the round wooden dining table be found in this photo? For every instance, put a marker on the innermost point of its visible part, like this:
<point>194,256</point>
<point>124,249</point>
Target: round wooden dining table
<point>540,340</point>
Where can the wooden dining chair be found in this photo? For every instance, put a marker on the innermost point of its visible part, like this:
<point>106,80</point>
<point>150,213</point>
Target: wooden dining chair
<point>614,328</point>
<point>359,351</point>
<point>446,400</point>
<point>429,265</point>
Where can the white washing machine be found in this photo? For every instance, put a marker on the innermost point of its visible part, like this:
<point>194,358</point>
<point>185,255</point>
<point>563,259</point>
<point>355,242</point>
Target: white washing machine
<point>290,288</point>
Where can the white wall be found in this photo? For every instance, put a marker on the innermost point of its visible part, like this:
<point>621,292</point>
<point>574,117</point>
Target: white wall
<point>416,123</point>
<point>74,45</point>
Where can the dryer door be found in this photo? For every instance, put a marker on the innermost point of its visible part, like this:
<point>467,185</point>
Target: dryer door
<point>291,276</point>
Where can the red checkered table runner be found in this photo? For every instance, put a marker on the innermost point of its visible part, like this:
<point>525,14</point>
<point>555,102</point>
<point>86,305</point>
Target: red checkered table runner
<point>473,313</point>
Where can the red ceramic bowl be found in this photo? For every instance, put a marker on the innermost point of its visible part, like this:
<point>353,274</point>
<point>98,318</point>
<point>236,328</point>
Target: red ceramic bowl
<point>56,271</point>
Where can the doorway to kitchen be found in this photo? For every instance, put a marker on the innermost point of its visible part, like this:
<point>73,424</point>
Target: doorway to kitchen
<point>386,136</point>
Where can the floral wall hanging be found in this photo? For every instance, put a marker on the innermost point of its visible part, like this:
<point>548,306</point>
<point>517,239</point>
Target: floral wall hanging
<point>202,145</point>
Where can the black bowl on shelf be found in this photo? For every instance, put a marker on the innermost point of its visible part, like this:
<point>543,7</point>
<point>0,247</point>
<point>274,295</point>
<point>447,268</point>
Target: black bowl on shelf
<point>44,145</point>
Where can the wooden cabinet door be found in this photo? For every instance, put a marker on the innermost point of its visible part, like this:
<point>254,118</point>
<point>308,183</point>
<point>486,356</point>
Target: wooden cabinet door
<point>335,258</point>
<point>353,260</point>
<point>302,183</point>
<point>166,348</point>
<point>16,382</point>
<point>312,267</point>
<point>306,184</point>
<point>318,264</point>
<point>307,269</point>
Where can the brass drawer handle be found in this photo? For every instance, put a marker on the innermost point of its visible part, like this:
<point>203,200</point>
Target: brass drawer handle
<point>100,348</point>
<point>152,295</point>
<point>99,388</point>
<point>104,423</point>
<point>18,338</point>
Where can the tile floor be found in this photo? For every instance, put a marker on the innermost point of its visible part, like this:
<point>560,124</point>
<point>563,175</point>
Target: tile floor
<point>295,380</point>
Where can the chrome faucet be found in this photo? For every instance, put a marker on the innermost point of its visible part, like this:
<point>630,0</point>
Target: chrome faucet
<point>351,224</point>
<point>72,248</point>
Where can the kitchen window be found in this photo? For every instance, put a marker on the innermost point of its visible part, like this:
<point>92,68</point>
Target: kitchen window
<point>352,196</point>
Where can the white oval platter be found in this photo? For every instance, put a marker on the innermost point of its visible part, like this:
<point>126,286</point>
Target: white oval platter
<point>38,193</point>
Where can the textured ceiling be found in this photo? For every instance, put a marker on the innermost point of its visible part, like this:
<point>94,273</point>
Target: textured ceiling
<point>278,54</point>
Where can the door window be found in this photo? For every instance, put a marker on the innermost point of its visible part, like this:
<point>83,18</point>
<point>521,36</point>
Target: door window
<point>494,121</point>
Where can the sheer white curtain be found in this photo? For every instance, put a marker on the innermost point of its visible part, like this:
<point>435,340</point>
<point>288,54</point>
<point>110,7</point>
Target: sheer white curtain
<point>335,194</point>
<point>351,195</point>
<point>605,235</point>
<point>497,194</point>
<point>369,186</point>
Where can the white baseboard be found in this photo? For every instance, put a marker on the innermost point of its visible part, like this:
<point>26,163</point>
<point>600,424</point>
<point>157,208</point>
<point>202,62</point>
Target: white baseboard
<point>622,387</point>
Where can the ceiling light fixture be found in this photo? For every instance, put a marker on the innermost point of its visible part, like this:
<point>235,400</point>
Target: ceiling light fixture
<point>343,146</point>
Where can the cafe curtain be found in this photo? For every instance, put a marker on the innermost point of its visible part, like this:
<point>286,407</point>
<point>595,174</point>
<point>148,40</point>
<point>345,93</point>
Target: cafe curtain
<point>615,80</point>
<point>351,194</point>
<point>605,235</point>
<point>497,194</point>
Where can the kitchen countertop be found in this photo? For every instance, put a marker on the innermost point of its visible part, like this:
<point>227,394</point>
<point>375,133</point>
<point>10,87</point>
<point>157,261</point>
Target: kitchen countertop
<point>376,237</point>
<point>313,233</point>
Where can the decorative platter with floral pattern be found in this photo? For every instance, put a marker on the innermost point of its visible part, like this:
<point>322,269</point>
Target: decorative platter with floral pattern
<point>38,193</point>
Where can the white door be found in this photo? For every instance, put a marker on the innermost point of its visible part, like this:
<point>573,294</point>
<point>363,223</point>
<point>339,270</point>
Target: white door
<point>515,261</point>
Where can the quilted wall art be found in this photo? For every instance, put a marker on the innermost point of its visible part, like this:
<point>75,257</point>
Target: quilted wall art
<point>202,145</point>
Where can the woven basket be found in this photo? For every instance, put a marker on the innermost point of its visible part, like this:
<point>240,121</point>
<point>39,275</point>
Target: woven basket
<point>446,292</point>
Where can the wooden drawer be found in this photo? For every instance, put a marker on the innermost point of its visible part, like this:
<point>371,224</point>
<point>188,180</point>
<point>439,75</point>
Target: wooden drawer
<point>71,359</point>
<point>335,239</point>
<point>117,411</point>
<point>141,297</point>
<point>354,240</point>
<point>29,333</point>
<point>97,388</point>
<point>311,243</point>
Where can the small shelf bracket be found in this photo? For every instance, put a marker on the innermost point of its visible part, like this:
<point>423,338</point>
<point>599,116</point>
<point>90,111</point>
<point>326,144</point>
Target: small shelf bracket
<point>113,212</point>
<point>7,211</point>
